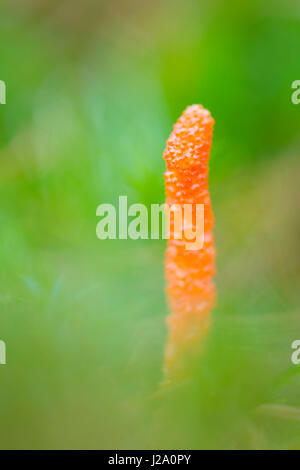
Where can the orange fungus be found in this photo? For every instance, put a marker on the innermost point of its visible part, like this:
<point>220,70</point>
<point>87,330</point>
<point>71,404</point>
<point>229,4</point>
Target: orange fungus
<point>189,272</point>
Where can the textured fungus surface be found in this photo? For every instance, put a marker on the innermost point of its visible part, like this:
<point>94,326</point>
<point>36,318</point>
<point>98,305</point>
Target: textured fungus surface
<point>190,289</point>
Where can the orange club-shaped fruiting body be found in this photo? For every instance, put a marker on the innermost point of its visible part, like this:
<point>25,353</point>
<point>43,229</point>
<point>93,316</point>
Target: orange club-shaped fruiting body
<point>189,272</point>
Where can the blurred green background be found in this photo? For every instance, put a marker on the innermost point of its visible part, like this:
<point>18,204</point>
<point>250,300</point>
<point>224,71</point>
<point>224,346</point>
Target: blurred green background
<point>93,89</point>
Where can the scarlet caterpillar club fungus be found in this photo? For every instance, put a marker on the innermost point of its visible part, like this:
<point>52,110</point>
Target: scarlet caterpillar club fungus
<point>189,272</point>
